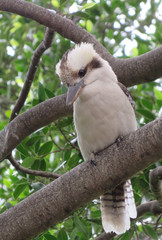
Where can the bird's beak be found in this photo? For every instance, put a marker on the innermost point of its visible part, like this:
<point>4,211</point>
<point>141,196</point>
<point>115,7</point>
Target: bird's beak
<point>74,91</point>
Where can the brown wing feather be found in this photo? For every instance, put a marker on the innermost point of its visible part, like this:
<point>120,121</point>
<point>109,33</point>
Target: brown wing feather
<point>128,94</point>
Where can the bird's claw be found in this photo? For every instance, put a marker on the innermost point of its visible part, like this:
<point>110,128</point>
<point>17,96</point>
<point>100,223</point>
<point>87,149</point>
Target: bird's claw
<point>119,140</point>
<point>92,159</point>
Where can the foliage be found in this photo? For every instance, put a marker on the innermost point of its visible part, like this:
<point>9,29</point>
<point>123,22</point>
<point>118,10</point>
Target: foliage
<point>126,29</point>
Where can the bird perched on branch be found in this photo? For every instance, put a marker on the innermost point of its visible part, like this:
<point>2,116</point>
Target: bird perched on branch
<point>103,112</point>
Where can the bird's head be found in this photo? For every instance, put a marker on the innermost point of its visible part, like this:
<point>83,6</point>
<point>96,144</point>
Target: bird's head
<point>79,67</point>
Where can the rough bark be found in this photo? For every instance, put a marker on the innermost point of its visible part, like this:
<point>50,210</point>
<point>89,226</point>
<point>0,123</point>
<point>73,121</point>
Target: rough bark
<point>144,68</point>
<point>80,185</point>
<point>31,120</point>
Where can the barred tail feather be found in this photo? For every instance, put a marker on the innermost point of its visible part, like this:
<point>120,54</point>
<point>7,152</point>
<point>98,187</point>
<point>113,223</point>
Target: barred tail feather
<point>117,207</point>
<point>129,199</point>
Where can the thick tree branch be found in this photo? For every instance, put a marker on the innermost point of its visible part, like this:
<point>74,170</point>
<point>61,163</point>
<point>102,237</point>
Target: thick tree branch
<point>140,69</point>
<point>144,68</point>
<point>30,121</point>
<point>80,185</point>
<point>44,45</point>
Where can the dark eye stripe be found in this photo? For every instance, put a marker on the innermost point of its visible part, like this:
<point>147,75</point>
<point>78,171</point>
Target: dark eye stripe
<point>95,63</point>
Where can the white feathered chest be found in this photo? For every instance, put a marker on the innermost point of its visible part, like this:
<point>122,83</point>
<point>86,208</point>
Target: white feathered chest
<point>102,113</point>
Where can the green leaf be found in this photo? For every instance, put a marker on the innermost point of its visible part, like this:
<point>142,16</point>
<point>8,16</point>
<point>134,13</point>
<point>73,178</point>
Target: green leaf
<point>41,92</point>
<point>48,236</point>
<point>42,165</point>
<point>37,186</point>
<point>62,235</point>
<point>21,149</point>
<point>159,103</point>
<point>149,115</point>
<point>62,2</point>
<point>49,93</point>
<point>37,145</point>
<point>73,161</point>
<point>67,155</point>
<point>28,161</point>
<point>81,15</point>
<point>149,231</point>
<point>96,221</point>
<point>125,236</point>
<point>6,182</point>
<point>88,5</point>
<point>55,3</point>
<point>69,224</point>
<point>19,189</point>
<point>63,89</point>
<point>35,165</point>
<point>89,26</point>
<point>8,113</point>
<point>74,234</point>
<point>19,65</point>
<point>65,122</point>
<point>32,140</point>
<point>45,130</point>
<point>45,148</point>
<point>80,226</point>
<point>35,102</point>
<point>147,104</point>
<point>158,94</point>
<point>107,7</point>
<point>95,214</point>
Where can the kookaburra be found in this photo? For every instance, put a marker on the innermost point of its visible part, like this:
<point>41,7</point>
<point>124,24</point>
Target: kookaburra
<point>102,113</point>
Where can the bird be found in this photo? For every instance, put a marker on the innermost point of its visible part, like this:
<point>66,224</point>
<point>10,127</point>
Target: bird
<point>103,113</point>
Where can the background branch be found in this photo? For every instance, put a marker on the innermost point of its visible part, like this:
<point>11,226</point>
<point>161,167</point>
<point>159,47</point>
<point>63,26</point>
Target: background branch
<point>32,172</point>
<point>45,44</point>
<point>128,71</point>
<point>152,206</point>
<point>155,178</point>
<point>83,183</point>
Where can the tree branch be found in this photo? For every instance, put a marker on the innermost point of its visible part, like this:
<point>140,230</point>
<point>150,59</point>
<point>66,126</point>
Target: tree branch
<point>30,121</point>
<point>30,171</point>
<point>144,68</point>
<point>140,69</point>
<point>155,178</point>
<point>44,45</point>
<point>83,183</point>
<point>152,206</point>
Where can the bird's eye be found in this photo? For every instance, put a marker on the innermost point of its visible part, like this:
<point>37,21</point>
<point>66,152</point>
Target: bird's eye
<point>82,72</point>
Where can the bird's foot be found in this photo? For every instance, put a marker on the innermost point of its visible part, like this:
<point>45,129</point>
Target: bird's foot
<point>119,140</point>
<point>92,159</point>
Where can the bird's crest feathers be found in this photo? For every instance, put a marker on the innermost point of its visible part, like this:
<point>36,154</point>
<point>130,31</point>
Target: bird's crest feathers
<point>77,57</point>
<point>80,56</point>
